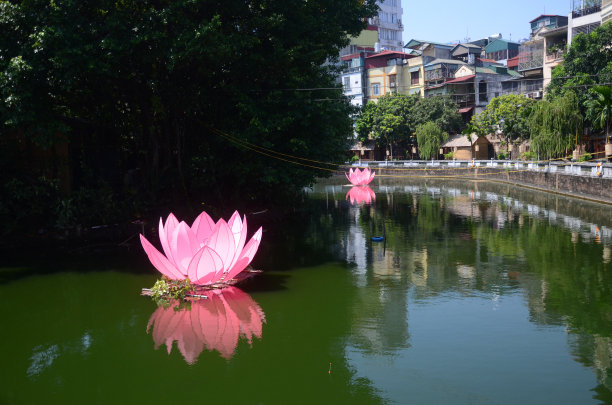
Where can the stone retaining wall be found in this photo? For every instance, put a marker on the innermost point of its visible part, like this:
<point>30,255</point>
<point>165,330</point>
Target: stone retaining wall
<point>589,187</point>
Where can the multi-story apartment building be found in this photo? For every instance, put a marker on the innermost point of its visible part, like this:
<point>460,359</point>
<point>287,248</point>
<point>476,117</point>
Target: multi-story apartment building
<point>606,11</point>
<point>586,15</point>
<point>500,50</point>
<point>385,73</point>
<point>354,76</point>
<point>555,46</point>
<point>389,23</point>
<point>424,52</point>
<point>535,62</point>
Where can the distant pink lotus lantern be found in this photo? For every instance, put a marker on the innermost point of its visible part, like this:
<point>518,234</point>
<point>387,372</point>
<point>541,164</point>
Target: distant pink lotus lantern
<point>361,194</point>
<point>360,177</point>
<point>207,252</point>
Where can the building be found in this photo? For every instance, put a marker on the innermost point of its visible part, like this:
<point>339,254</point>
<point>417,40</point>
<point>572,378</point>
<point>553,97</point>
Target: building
<point>466,52</point>
<point>385,71</point>
<point>555,46</point>
<point>500,50</point>
<point>389,23</point>
<point>424,52</point>
<point>606,11</point>
<point>353,74</point>
<point>533,54</point>
<point>354,77</point>
<point>465,149</point>
<point>585,17</point>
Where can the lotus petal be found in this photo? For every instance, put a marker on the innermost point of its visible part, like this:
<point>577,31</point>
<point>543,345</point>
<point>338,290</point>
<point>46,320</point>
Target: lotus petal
<point>222,241</point>
<point>184,245</point>
<point>203,227</point>
<point>159,261</point>
<point>246,255</point>
<point>205,266</point>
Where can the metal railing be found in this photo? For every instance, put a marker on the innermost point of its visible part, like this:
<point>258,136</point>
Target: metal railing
<point>591,169</point>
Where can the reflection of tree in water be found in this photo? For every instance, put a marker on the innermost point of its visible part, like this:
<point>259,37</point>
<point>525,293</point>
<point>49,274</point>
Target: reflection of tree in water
<point>438,242</point>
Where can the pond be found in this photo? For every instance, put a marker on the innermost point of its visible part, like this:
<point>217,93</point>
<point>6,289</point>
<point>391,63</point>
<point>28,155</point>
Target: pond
<point>476,293</point>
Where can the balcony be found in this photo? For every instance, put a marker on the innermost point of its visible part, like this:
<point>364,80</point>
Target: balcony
<point>464,100</point>
<point>534,63</point>
<point>554,56</point>
<point>586,11</point>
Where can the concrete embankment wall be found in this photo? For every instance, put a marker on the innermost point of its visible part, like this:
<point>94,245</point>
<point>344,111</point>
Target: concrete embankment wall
<point>587,187</point>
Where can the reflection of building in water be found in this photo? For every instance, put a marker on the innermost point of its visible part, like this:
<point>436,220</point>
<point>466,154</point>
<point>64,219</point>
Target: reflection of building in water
<point>380,314</point>
<point>355,241</point>
<point>593,351</point>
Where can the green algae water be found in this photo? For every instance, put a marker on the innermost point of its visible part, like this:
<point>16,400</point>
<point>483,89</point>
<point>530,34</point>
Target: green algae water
<point>478,293</point>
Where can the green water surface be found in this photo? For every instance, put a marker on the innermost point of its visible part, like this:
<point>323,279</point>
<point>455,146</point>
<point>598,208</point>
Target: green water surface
<point>479,293</point>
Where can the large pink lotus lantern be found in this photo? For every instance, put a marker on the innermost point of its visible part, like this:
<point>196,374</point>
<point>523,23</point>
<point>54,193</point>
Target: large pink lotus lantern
<point>361,194</point>
<point>216,323</point>
<point>360,177</point>
<point>207,252</point>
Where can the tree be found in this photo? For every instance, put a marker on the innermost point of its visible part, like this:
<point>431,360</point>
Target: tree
<point>393,119</point>
<point>387,121</point>
<point>150,86</point>
<point>439,109</point>
<point>600,109</point>
<point>430,137</point>
<point>555,125</point>
<point>587,63</point>
<point>508,114</point>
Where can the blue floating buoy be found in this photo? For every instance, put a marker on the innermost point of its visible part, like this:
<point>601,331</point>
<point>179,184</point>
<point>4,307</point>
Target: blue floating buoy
<point>377,238</point>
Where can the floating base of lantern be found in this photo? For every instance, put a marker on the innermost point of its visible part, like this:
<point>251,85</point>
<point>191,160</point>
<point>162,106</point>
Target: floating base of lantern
<point>180,289</point>
<point>377,238</point>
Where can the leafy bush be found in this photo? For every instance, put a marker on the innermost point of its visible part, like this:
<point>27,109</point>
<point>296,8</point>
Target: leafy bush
<point>585,157</point>
<point>502,155</point>
<point>449,155</point>
<point>529,155</point>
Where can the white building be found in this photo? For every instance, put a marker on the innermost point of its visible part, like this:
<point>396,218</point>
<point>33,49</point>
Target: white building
<point>584,18</point>
<point>389,23</point>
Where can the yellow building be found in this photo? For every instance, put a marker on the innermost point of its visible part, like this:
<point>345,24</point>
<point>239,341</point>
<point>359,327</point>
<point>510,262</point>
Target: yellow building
<point>385,73</point>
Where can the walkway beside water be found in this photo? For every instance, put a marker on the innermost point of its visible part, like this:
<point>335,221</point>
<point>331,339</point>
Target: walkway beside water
<point>587,180</point>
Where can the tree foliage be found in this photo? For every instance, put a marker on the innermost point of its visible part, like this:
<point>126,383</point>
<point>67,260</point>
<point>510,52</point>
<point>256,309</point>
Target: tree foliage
<point>430,137</point>
<point>555,125</point>
<point>388,120</point>
<point>394,118</point>
<point>508,113</point>
<point>146,87</point>
<point>600,109</point>
<point>587,63</point>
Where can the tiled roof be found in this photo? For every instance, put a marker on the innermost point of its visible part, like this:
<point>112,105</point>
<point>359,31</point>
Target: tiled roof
<point>545,15</point>
<point>461,79</point>
<point>387,53</point>
<point>459,141</point>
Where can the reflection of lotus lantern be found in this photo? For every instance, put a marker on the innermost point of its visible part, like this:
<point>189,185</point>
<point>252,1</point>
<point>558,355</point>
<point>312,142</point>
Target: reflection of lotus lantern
<point>361,194</point>
<point>215,323</point>
<point>360,177</point>
<point>206,253</point>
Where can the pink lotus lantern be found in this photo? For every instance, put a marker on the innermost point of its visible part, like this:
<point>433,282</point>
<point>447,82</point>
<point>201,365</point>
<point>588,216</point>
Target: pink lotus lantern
<point>361,194</point>
<point>360,177</point>
<point>207,252</point>
<point>216,323</point>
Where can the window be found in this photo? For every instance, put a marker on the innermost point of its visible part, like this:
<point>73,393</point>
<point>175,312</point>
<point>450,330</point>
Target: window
<point>347,83</point>
<point>482,90</point>
<point>376,89</point>
<point>414,77</point>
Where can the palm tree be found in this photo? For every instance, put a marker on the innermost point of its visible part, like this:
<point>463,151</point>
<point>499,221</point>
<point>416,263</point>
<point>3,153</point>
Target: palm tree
<point>600,109</point>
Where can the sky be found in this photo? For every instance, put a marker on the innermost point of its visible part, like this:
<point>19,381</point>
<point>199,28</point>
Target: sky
<point>452,20</point>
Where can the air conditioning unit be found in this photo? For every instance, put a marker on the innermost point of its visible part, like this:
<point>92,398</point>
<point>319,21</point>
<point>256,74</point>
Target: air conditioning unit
<point>537,94</point>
